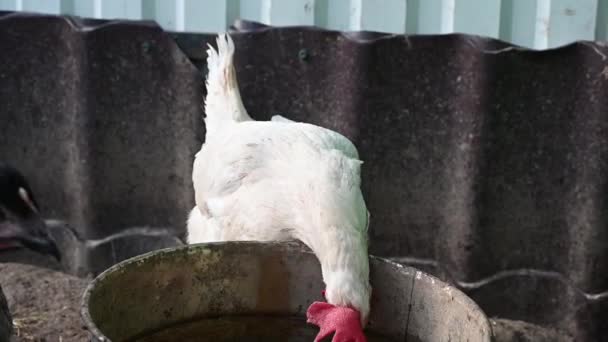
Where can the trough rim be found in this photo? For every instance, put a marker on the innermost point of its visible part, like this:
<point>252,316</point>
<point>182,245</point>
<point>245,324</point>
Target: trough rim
<point>97,334</point>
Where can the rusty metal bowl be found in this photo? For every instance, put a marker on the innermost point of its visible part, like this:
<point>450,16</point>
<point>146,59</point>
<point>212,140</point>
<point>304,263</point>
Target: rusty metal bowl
<point>235,290</point>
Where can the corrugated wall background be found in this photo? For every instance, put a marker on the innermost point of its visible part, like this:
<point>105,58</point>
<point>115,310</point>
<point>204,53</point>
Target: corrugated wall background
<point>484,164</point>
<point>536,24</point>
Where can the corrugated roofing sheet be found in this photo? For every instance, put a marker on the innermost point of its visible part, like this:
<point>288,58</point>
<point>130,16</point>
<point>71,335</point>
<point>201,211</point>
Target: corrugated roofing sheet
<point>484,163</point>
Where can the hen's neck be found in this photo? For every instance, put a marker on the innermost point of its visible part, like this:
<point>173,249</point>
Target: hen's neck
<point>344,260</point>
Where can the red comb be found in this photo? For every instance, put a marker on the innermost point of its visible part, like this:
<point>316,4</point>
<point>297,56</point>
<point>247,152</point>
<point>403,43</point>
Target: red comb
<point>344,322</point>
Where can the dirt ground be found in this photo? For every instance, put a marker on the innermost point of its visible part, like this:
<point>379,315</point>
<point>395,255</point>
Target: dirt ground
<point>45,304</point>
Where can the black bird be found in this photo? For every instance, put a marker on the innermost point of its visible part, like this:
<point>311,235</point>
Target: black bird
<point>20,227</point>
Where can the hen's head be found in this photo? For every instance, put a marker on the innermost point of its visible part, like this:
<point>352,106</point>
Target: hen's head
<point>343,322</point>
<point>346,322</point>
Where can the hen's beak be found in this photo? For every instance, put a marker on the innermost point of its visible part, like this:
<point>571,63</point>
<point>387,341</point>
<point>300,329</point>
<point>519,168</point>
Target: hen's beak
<point>32,234</point>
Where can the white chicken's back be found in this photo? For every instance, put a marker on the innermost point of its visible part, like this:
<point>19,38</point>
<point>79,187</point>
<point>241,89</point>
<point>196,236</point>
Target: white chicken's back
<point>264,180</point>
<point>280,180</point>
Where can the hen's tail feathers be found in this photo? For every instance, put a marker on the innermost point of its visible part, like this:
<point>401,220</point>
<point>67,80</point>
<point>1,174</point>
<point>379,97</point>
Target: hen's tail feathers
<point>223,103</point>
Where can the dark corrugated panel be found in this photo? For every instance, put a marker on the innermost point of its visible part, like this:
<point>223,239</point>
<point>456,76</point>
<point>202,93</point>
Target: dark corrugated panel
<point>485,164</point>
<point>104,117</point>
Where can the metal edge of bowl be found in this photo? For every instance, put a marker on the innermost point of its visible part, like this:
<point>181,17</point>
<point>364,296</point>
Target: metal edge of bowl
<point>84,304</point>
<point>99,336</point>
<point>462,298</point>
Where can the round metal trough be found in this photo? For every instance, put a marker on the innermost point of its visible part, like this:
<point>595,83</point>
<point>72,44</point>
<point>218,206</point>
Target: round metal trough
<point>257,291</point>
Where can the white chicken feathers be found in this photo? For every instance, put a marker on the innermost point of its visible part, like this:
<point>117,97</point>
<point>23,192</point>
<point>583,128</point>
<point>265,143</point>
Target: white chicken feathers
<point>280,180</point>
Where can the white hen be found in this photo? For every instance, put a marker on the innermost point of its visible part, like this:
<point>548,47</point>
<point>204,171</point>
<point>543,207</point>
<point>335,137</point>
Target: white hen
<point>280,180</point>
